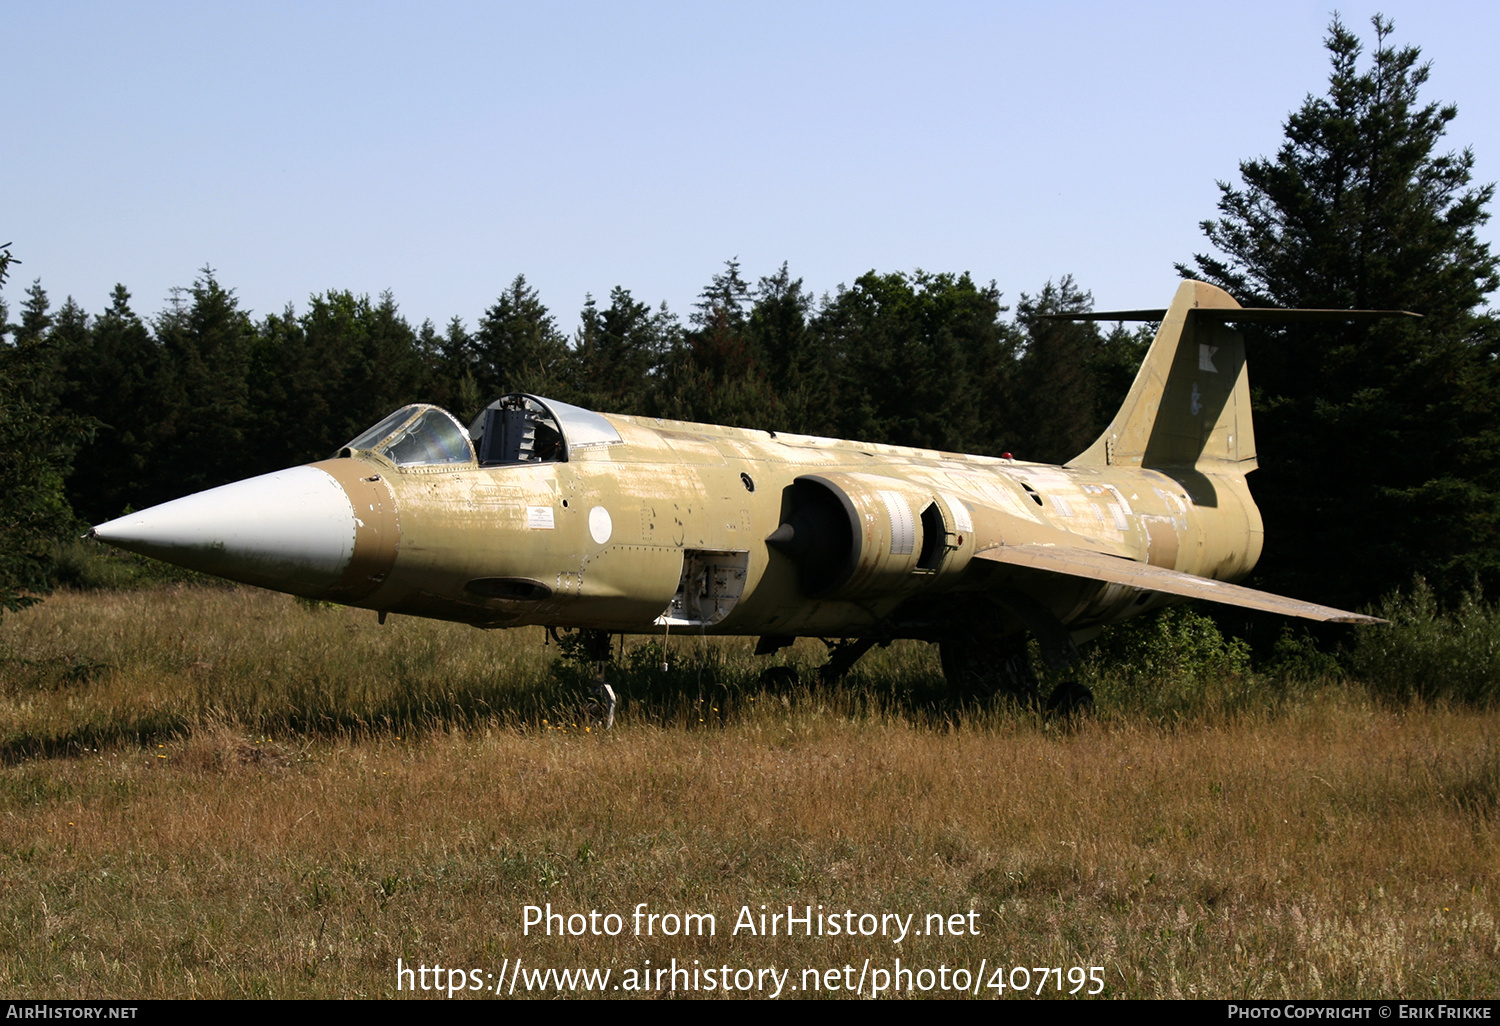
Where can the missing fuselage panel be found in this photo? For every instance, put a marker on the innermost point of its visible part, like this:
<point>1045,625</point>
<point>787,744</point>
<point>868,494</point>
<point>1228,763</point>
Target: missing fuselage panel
<point>712,582</point>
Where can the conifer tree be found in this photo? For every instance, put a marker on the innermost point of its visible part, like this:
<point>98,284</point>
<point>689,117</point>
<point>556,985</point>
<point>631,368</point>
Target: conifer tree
<point>110,366</point>
<point>617,352</point>
<point>202,393</point>
<point>791,354</point>
<point>1052,399</point>
<point>517,346</point>
<point>715,372</point>
<point>914,359</point>
<point>37,441</point>
<point>1379,443</point>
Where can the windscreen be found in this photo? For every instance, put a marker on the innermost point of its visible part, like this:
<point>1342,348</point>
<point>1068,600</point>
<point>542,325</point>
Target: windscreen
<point>380,432</point>
<point>418,436</point>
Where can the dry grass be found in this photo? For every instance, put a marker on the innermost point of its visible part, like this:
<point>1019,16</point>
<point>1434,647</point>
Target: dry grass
<point>222,793</point>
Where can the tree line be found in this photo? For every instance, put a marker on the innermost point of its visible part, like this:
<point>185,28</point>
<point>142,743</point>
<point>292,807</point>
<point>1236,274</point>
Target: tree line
<point>203,393</point>
<point>1379,444</point>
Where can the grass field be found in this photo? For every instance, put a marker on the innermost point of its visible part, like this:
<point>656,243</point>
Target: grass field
<point>223,793</point>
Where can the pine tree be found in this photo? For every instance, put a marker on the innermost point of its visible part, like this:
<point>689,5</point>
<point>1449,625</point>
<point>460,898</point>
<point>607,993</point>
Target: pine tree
<point>791,354</point>
<point>202,401</point>
<point>111,370</point>
<point>37,442</point>
<point>296,379</point>
<point>324,377</point>
<point>1052,396</point>
<point>715,371</point>
<point>617,351</point>
<point>451,367</point>
<point>915,360</point>
<point>389,371</point>
<point>1378,443</point>
<point>518,347</point>
<point>717,339</point>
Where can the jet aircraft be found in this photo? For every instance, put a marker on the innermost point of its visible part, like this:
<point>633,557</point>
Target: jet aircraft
<point>543,513</point>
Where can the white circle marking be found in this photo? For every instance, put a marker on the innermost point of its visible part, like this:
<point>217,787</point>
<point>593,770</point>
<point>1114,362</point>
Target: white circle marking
<point>600,526</point>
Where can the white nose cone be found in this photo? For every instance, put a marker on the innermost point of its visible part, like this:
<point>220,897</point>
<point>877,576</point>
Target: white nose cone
<point>292,531</point>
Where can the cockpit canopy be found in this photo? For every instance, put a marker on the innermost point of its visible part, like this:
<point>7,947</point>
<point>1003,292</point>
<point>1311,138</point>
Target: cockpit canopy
<point>418,436</point>
<point>512,429</point>
<point>529,429</point>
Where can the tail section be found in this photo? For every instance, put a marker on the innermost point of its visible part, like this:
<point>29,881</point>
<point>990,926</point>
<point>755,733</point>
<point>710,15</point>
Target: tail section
<point>1190,403</point>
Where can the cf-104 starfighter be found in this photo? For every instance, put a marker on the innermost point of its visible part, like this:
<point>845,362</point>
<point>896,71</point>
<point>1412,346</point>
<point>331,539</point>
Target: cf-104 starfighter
<point>543,513</point>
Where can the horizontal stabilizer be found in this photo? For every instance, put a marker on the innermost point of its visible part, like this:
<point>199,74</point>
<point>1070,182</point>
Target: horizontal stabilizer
<point>1100,566</point>
<point>1240,315</point>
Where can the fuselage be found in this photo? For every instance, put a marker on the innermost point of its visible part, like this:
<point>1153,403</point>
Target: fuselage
<point>668,528</point>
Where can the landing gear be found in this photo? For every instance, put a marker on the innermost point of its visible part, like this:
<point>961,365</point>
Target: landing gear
<point>842,655</point>
<point>981,666</point>
<point>987,666</point>
<point>598,646</point>
<point>986,654</point>
<point>776,678</point>
<point>602,709</point>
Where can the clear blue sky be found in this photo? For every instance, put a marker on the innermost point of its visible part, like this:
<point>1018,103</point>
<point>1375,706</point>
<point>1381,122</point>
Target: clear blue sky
<point>438,150</point>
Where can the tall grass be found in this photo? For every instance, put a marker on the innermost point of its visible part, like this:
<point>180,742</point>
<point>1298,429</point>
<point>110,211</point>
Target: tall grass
<point>83,564</point>
<point>215,792</point>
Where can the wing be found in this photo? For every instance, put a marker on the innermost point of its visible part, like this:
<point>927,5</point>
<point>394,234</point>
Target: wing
<point>1100,566</point>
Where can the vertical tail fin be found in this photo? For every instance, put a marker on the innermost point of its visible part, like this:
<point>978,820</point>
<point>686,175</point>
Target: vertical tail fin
<point>1190,402</point>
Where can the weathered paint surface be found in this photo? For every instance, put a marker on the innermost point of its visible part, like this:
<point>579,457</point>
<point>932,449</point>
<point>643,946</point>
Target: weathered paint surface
<point>640,525</point>
<point>468,522</point>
